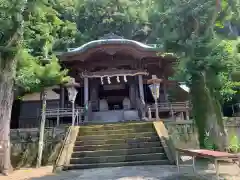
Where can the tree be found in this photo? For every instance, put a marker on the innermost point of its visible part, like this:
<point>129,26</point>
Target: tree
<point>125,18</point>
<point>12,23</point>
<point>34,77</point>
<point>189,29</point>
<point>21,62</point>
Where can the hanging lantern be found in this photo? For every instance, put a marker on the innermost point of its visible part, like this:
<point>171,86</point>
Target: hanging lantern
<point>155,90</point>
<point>102,80</point>
<point>118,80</point>
<point>125,78</point>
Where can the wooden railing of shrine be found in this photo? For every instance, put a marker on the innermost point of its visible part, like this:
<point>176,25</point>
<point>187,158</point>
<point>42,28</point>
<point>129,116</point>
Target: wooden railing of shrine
<point>64,112</point>
<point>171,106</point>
<point>54,112</point>
<point>177,110</point>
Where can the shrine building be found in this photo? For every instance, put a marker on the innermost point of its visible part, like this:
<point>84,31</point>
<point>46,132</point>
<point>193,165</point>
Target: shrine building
<point>113,75</point>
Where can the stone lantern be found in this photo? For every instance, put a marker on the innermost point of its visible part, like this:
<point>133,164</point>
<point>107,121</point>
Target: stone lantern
<point>72,94</point>
<point>154,85</point>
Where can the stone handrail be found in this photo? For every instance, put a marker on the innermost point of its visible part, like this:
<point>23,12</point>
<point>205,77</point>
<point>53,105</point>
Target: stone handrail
<point>65,153</point>
<point>165,140</point>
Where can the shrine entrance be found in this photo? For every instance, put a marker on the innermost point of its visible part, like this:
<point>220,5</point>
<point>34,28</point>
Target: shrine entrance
<point>115,95</point>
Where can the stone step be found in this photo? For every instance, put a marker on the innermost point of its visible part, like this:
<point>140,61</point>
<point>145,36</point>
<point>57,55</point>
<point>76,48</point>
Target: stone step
<point>127,125</point>
<point>117,141</point>
<point>114,145</point>
<point>118,164</point>
<point>116,136</point>
<point>117,146</point>
<point>116,152</point>
<point>114,159</point>
<point>113,131</point>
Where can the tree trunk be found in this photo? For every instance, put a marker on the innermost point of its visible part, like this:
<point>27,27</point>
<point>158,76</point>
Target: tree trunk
<point>8,66</point>
<point>207,113</point>
<point>199,108</point>
<point>6,99</point>
<point>215,123</point>
<point>42,127</point>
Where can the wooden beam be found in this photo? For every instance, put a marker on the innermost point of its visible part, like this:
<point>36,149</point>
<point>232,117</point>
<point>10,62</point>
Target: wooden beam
<point>113,72</point>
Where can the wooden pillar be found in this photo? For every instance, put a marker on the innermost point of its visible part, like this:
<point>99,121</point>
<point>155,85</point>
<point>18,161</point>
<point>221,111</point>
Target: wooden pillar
<point>187,115</point>
<point>62,97</point>
<point>86,98</point>
<point>141,94</point>
<point>94,97</point>
<point>182,116</point>
<point>149,114</point>
<point>140,84</point>
<point>132,95</point>
<point>165,91</point>
<point>86,91</point>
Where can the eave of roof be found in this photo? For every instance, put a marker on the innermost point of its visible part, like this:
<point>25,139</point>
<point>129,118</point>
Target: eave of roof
<point>95,43</point>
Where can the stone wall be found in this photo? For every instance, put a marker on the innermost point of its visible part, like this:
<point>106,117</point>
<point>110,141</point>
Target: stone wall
<point>24,146</point>
<point>184,133</point>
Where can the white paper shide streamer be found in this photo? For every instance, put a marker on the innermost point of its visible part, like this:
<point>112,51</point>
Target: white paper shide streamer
<point>125,78</point>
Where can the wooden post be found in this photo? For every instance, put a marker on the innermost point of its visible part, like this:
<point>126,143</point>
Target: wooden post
<point>172,112</point>
<point>140,84</point>
<point>42,127</point>
<point>187,115</point>
<point>182,115</point>
<point>132,95</point>
<point>156,107</point>
<point>149,114</point>
<point>58,117</point>
<point>165,92</point>
<point>73,113</point>
<point>86,96</point>
<point>62,97</point>
<point>141,94</point>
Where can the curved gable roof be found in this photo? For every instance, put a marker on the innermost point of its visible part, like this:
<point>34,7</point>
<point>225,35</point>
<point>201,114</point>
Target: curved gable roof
<point>96,43</point>
<point>110,46</point>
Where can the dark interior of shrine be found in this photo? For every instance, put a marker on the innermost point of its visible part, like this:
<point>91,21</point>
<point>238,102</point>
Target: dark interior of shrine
<point>114,96</point>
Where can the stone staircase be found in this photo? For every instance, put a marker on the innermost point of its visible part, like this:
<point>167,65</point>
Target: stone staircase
<point>112,145</point>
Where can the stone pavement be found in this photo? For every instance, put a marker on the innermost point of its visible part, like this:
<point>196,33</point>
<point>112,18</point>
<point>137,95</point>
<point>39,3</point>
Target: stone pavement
<point>158,172</point>
<point>120,173</point>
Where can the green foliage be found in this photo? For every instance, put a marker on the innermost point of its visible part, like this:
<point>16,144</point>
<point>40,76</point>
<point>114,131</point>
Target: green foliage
<point>30,30</point>
<point>206,56</point>
<point>45,29</point>
<point>234,144</point>
<point>125,18</point>
<point>10,33</point>
<point>32,76</point>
